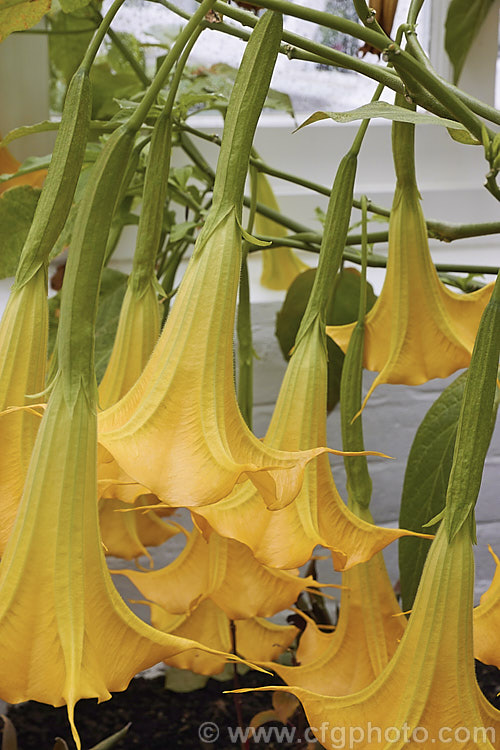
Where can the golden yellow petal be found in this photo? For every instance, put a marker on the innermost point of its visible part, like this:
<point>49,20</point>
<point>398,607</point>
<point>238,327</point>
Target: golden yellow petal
<point>417,329</point>
<point>256,639</point>
<point>23,354</point>
<point>429,685</point>
<point>178,431</point>
<point>226,572</point>
<point>286,538</point>
<point>65,631</point>
<point>128,534</point>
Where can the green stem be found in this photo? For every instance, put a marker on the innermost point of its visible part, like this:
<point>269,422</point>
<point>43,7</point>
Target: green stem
<point>244,319</point>
<point>336,229</point>
<point>124,51</point>
<point>319,52</point>
<point>437,229</point>
<point>101,32</point>
<point>369,18</point>
<point>405,63</point>
<point>148,100</point>
<point>359,484</point>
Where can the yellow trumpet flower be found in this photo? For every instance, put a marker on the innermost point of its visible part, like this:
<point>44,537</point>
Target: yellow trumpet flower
<point>127,532</point>
<point>256,639</point>
<point>286,538</point>
<point>417,329</point>
<point>368,632</point>
<point>56,594</point>
<point>224,571</point>
<point>178,430</point>
<point>23,353</point>
<point>487,621</point>
<point>280,265</point>
<point>428,692</point>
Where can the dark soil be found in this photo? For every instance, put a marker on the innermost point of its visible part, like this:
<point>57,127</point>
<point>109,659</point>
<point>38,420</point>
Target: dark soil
<point>164,720</point>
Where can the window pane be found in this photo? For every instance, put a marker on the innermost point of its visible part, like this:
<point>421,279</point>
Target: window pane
<point>309,85</point>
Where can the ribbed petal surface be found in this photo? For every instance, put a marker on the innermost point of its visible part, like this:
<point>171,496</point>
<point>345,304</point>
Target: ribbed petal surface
<point>23,354</point>
<point>417,329</point>
<point>430,682</point>
<point>286,538</point>
<point>178,431</point>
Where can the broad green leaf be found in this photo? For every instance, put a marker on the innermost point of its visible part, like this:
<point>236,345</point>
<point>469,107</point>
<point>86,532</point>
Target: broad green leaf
<point>342,309</point>
<point>426,481</point>
<point>19,15</point>
<point>70,6</point>
<point>108,86</point>
<point>112,739</point>
<point>387,112</point>
<point>96,126</point>
<point>17,208</point>
<point>463,21</point>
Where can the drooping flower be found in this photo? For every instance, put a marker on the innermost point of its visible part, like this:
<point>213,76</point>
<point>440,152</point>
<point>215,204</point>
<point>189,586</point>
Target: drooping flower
<point>56,593</point>
<point>127,532</point>
<point>23,353</point>
<point>286,538</point>
<point>256,639</point>
<point>178,431</point>
<point>417,329</point>
<point>367,634</point>
<point>280,265</point>
<point>224,571</point>
<point>487,621</point>
<point>428,691</point>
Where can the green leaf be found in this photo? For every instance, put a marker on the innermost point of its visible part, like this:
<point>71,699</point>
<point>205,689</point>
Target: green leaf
<point>112,739</point>
<point>17,208</point>
<point>425,483</point>
<point>134,47</point>
<point>18,15</point>
<point>342,309</point>
<point>386,111</point>
<point>463,21</point>
<point>68,44</point>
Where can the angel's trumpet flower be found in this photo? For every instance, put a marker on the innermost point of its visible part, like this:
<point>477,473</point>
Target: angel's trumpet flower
<point>286,538</point>
<point>428,691</point>
<point>178,431</point>
<point>367,634</point>
<point>487,621</point>
<point>255,639</point>
<point>127,531</point>
<point>280,265</point>
<point>224,571</point>
<point>56,593</point>
<point>417,329</point>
